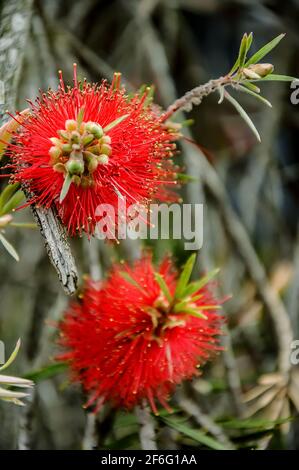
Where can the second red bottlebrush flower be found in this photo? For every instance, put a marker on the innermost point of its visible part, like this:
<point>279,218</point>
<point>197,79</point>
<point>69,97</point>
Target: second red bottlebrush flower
<point>140,332</point>
<point>91,144</point>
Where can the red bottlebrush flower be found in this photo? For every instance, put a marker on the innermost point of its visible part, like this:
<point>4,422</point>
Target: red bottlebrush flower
<point>139,333</point>
<point>91,144</point>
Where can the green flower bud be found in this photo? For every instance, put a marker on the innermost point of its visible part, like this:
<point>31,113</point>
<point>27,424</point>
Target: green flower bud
<point>75,137</point>
<point>64,134</point>
<point>59,167</point>
<point>92,165</point>
<point>75,166</point>
<point>103,159</point>
<point>87,139</point>
<point>66,148</point>
<point>71,125</point>
<point>94,129</point>
<point>54,153</point>
<point>106,149</point>
<point>76,179</point>
<point>56,141</point>
<point>95,149</point>
<point>105,140</point>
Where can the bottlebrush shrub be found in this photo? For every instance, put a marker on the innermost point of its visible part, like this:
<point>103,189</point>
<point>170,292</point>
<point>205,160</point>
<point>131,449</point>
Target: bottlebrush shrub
<point>90,144</point>
<point>139,333</point>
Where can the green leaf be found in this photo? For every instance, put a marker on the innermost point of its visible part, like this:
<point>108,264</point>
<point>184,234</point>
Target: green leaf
<point>80,116</point>
<point>197,285</point>
<point>185,276</point>
<point>13,202</point>
<point>115,123</point>
<point>46,372</point>
<point>243,114</point>
<point>264,50</point>
<point>221,94</point>
<point>9,247</point>
<point>251,86</point>
<point>253,423</point>
<point>150,90</point>
<point>249,41</point>
<point>272,77</point>
<point>184,307</point>
<point>7,193</point>
<point>243,50</point>
<point>195,434</point>
<point>185,178</point>
<point>163,286</point>
<point>12,356</point>
<point>65,187</point>
<point>252,93</point>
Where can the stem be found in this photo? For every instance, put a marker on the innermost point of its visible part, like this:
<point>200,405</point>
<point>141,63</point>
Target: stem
<point>196,95</point>
<point>147,428</point>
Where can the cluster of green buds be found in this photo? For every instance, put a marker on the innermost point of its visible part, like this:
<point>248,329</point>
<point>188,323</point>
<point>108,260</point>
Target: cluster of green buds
<point>78,151</point>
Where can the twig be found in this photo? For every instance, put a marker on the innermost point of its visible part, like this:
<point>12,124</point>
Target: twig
<point>233,377</point>
<point>146,427</point>
<point>194,97</point>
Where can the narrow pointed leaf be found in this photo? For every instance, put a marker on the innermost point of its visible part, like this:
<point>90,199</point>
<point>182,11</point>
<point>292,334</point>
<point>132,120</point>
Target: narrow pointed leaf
<point>264,50</point>
<point>197,285</point>
<point>185,276</point>
<point>163,286</point>
<point>80,116</point>
<point>195,434</point>
<point>9,248</point>
<point>7,193</point>
<point>185,178</point>
<point>15,381</point>
<point>12,356</point>
<point>249,41</point>
<point>4,393</point>
<point>252,93</point>
<point>65,188</point>
<point>243,50</point>
<point>243,114</point>
<point>115,123</point>
<point>251,86</point>
<point>13,202</point>
<point>221,93</point>
<point>272,77</point>
<point>194,312</point>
